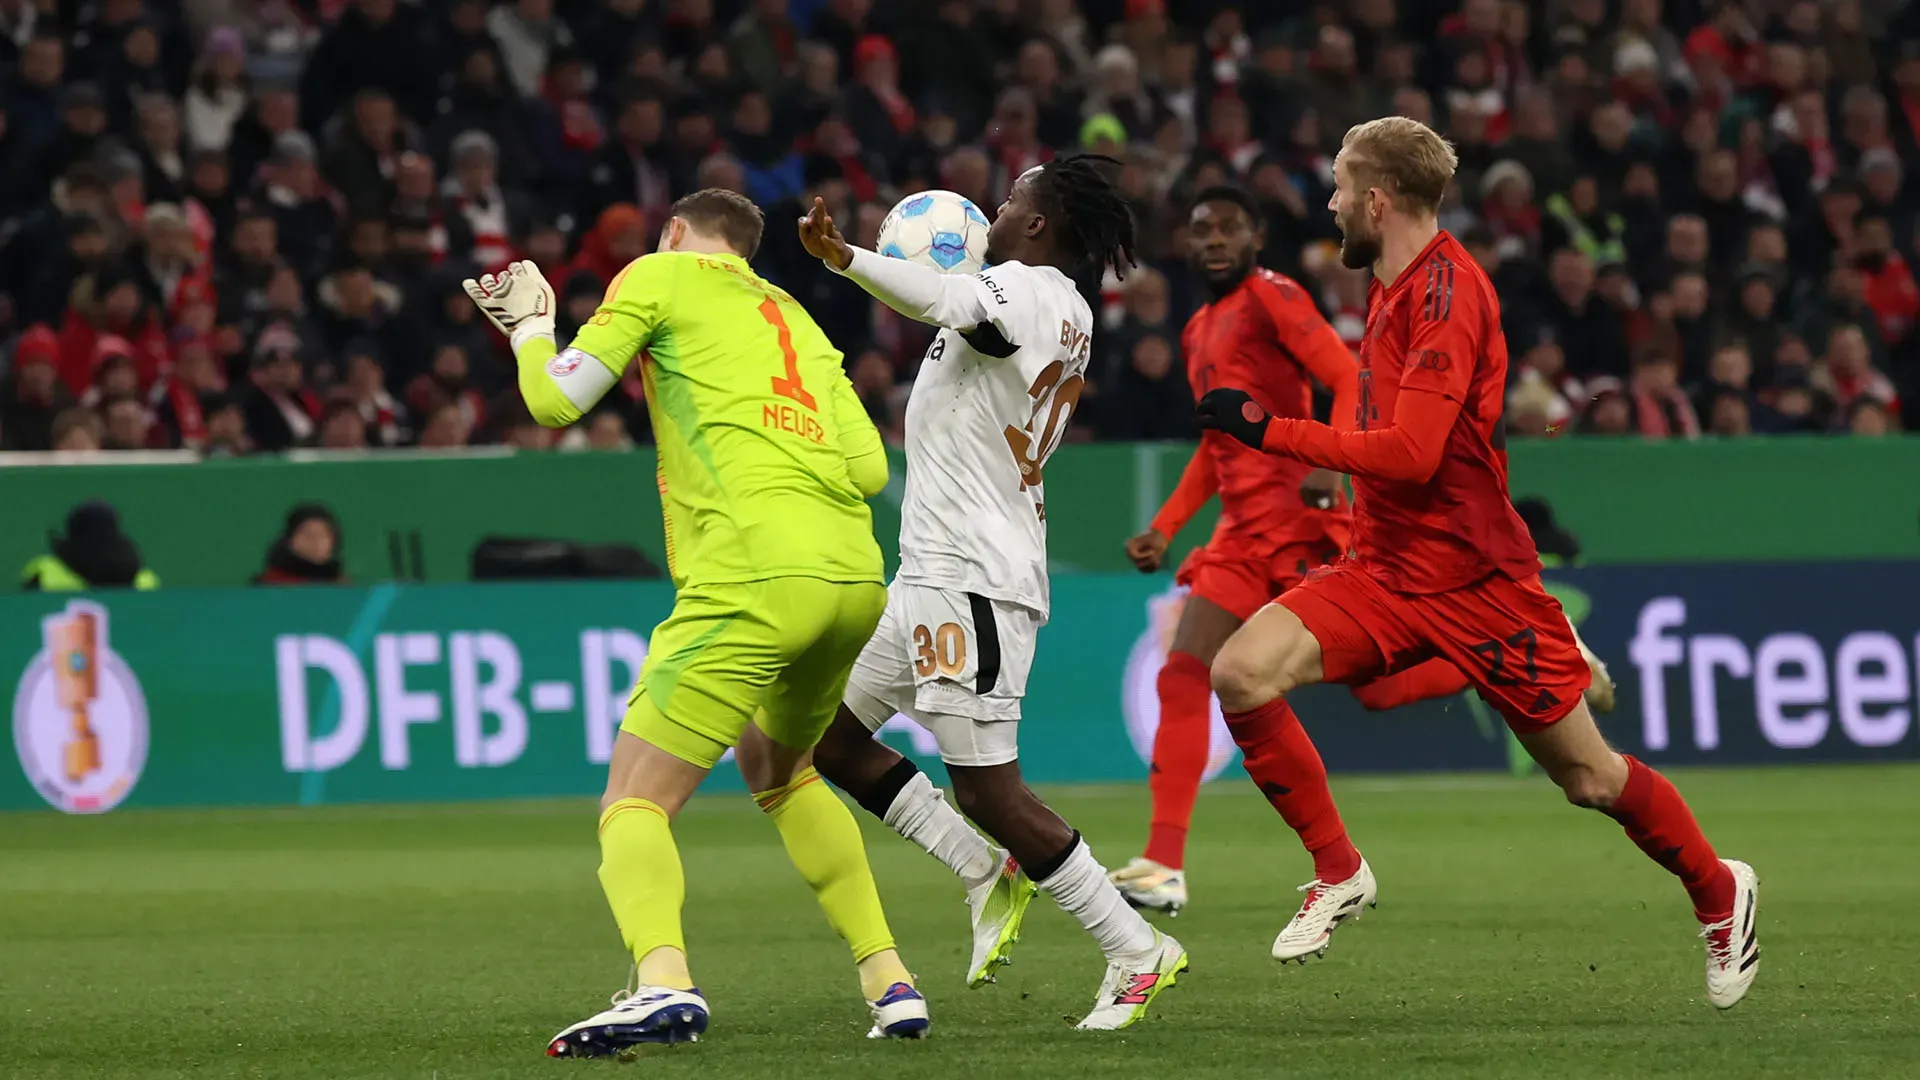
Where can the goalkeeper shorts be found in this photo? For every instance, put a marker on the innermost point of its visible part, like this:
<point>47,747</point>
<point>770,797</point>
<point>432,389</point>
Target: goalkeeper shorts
<point>775,652</point>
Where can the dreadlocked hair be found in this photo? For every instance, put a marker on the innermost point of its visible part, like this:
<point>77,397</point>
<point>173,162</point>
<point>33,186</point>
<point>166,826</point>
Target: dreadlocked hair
<point>1099,226</point>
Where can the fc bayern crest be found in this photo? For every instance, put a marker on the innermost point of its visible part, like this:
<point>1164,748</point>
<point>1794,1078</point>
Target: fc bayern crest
<point>1139,689</point>
<point>79,718</point>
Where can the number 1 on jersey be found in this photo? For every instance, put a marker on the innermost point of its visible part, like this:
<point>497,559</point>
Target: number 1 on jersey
<point>790,386</point>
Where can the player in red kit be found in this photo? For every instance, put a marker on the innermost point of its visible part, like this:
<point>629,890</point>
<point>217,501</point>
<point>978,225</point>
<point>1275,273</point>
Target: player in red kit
<point>1279,517</point>
<point>1442,565</point>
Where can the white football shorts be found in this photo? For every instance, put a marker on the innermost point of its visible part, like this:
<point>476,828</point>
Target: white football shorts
<point>956,663</point>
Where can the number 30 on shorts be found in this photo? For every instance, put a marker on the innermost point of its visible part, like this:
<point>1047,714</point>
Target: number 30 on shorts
<point>941,651</point>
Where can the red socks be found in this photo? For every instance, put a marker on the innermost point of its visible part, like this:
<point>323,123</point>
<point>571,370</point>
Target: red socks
<point>1281,759</point>
<point>1180,748</point>
<point>1422,682</point>
<point>1657,819</point>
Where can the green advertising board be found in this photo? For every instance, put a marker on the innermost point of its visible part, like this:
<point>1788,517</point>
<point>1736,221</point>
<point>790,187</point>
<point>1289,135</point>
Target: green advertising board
<point>300,696</point>
<point>409,516</point>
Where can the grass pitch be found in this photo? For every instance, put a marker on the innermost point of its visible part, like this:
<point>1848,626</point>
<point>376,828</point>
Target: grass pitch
<point>1516,937</point>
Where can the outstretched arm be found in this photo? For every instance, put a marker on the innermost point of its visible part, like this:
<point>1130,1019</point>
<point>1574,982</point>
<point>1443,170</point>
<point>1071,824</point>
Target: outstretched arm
<point>953,301</point>
<point>1197,484</point>
<point>923,295</point>
<point>1433,385</point>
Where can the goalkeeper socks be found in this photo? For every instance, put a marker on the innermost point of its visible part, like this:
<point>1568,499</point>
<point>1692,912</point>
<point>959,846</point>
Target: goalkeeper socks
<point>646,888</point>
<point>823,841</point>
<point>1283,763</point>
<point>1180,748</point>
<point>1080,886</point>
<point>1657,819</point>
<point>920,812</point>
<point>1434,678</point>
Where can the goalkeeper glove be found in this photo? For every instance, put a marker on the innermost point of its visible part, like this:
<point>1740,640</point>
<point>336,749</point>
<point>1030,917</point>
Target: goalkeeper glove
<point>518,300</point>
<point>1236,413</point>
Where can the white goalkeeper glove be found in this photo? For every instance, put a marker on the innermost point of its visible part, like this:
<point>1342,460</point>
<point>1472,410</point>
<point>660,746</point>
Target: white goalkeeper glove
<point>518,300</point>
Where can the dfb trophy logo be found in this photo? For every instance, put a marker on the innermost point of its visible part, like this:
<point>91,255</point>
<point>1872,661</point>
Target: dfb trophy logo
<point>79,718</point>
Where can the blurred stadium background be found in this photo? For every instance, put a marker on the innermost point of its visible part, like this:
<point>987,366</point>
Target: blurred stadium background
<point>234,358</point>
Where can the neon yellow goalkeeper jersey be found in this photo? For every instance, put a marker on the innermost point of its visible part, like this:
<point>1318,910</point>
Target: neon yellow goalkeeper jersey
<point>755,419</point>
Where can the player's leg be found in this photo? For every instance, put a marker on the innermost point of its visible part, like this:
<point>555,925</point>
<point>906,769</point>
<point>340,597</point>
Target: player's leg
<point>685,713</point>
<point>1141,962</point>
<point>1329,628</point>
<point>893,789</point>
<point>883,782</point>
<point>1533,672</point>
<point>1435,678</point>
<point>1216,605</point>
<point>829,623</point>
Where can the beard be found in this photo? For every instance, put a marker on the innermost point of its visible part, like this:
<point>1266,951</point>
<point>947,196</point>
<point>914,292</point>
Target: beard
<point>1358,249</point>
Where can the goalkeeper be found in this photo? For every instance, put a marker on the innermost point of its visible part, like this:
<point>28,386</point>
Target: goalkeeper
<point>765,457</point>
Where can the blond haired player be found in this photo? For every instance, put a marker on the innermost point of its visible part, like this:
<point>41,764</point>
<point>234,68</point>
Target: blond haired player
<point>1442,565</point>
<point>765,457</point>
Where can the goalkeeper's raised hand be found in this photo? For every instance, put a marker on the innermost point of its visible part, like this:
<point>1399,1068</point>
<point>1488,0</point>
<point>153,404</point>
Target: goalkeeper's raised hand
<point>518,300</point>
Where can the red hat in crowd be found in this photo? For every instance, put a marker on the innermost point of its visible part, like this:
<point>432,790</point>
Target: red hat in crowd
<point>870,48</point>
<point>109,346</point>
<point>39,345</point>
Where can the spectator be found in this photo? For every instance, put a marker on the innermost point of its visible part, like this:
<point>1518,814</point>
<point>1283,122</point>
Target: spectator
<point>340,425</point>
<point>447,381</point>
<point>178,414</point>
<point>1660,409</point>
<point>280,411</point>
<point>1846,373</point>
<point>1587,331</point>
<point>1149,399</point>
<point>446,428</point>
<point>93,553</point>
<point>374,43</point>
<point>290,188</point>
<point>1871,417</point>
<point>307,551</point>
<point>355,306</point>
<point>365,146</point>
<point>127,424</point>
<point>226,426</point>
<point>603,429</point>
<point>77,431</point>
<point>217,97</point>
<point>32,395</point>
<point>1887,284</point>
<point>110,305</point>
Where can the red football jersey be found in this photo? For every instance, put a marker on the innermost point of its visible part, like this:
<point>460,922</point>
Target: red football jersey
<point>1267,338</point>
<point>1437,328</point>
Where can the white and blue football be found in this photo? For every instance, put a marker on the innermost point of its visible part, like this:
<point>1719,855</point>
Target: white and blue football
<point>936,229</point>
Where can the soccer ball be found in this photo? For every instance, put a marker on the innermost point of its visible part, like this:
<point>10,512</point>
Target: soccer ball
<point>937,229</point>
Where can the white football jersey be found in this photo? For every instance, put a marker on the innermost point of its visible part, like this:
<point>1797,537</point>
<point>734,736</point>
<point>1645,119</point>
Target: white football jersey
<point>988,407</point>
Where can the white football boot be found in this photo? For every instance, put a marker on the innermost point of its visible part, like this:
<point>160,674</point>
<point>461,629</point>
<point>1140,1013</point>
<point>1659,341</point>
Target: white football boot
<point>1130,986</point>
<point>998,905</point>
<point>901,1013</point>
<point>1151,886</point>
<point>647,1014</point>
<point>1733,949</point>
<point>1326,907</point>
<point>1600,691</point>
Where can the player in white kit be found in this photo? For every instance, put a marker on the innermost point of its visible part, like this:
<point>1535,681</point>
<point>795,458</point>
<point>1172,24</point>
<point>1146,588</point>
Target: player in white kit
<point>990,403</point>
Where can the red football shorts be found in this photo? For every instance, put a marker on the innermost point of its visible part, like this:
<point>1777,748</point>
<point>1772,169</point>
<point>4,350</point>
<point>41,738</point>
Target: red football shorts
<point>1509,637</point>
<point>1243,584</point>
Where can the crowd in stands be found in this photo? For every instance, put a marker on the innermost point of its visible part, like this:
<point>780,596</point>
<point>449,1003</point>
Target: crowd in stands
<point>240,225</point>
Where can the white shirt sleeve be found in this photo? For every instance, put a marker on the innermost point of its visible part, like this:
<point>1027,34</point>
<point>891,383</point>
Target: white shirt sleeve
<point>953,301</point>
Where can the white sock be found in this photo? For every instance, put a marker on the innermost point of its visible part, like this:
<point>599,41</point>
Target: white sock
<point>922,814</point>
<point>1081,887</point>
